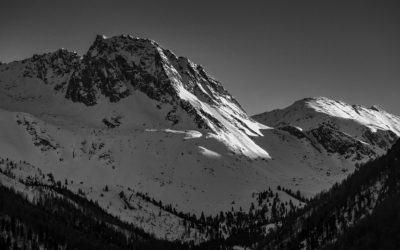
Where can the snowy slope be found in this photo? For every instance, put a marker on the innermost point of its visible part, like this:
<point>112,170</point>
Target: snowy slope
<point>131,115</point>
<point>311,112</point>
<point>335,123</point>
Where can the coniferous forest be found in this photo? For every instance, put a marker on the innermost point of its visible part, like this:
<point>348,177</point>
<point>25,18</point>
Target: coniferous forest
<point>362,212</point>
<point>55,223</point>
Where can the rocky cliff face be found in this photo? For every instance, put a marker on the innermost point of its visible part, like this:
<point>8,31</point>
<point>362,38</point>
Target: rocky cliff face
<point>115,67</point>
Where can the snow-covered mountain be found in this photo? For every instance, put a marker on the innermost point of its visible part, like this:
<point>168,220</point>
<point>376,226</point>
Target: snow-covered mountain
<point>168,91</point>
<point>354,131</point>
<point>134,117</point>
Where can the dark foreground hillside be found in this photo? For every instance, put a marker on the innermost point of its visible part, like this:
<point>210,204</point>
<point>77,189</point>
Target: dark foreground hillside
<point>56,222</point>
<point>380,230</point>
<point>363,212</point>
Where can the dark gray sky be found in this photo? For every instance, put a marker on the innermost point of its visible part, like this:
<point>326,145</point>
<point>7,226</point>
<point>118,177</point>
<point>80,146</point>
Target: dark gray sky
<point>266,53</point>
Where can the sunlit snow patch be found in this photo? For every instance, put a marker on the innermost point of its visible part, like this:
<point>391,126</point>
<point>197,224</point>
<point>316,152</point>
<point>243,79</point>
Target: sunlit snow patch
<point>209,153</point>
<point>191,134</point>
<point>299,128</point>
<point>188,134</point>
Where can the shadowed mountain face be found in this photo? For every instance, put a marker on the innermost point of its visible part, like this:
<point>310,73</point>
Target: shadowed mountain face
<point>134,117</point>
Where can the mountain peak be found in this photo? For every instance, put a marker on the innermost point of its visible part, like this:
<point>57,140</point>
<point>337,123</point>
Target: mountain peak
<point>103,44</point>
<point>377,108</point>
<point>123,69</point>
<point>313,111</point>
<point>325,104</point>
<point>100,37</point>
<point>320,100</point>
